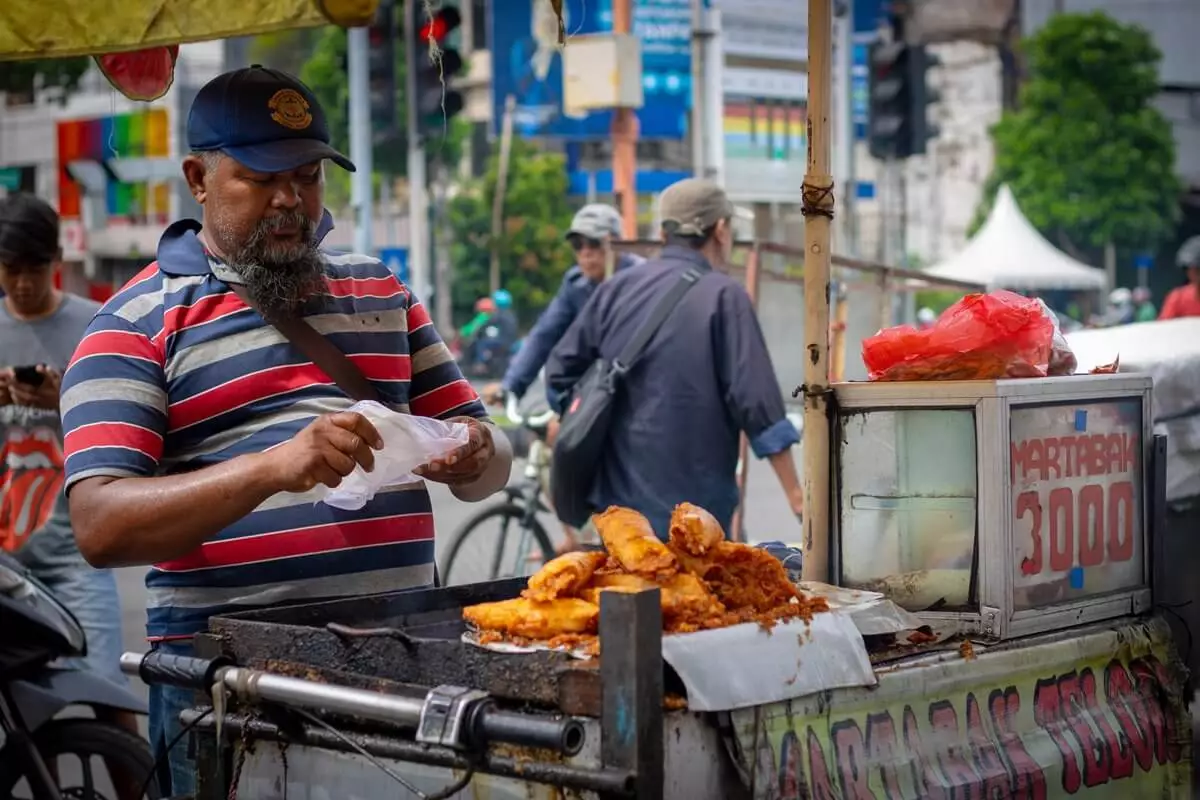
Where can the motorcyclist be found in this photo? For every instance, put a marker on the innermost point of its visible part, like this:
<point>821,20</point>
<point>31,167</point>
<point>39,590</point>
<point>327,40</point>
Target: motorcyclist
<point>591,235</point>
<point>484,309</point>
<point>1184,301</point>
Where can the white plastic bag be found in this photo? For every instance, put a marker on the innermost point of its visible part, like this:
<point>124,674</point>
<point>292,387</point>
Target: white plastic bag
<point>408,442</point>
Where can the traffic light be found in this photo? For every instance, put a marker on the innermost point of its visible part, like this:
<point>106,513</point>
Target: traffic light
<point>437,61</point>
<point>382,72</point>
<point>899,100</point>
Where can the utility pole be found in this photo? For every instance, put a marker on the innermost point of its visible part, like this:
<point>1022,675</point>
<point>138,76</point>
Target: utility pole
<point>418,200</point>
<point>699,118</point>
<point>357,68</point>
<point>625,136</point>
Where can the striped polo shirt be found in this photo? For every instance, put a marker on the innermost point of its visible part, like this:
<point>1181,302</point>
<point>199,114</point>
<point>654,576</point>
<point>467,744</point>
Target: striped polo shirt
<point>175,373</point>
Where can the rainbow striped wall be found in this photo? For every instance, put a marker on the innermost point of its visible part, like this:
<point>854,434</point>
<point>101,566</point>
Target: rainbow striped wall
<point>141,134</point>
<point>771,130</point>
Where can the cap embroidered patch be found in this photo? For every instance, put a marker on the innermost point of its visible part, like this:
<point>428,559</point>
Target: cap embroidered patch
<point>290,109</point>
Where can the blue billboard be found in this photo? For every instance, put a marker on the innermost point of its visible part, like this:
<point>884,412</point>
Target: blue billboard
<point>527,63</point>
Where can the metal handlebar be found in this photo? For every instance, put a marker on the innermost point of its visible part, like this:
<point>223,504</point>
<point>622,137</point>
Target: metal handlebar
<point>447,715</point>
<point>513,412</point>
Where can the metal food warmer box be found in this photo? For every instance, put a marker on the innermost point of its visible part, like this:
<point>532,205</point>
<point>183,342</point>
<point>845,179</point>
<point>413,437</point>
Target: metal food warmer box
<point>1014,515</point>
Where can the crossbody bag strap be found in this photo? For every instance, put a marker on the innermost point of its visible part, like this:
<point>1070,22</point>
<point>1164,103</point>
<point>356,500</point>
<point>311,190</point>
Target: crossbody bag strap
<point>321,352</point>
<point>630,352</point>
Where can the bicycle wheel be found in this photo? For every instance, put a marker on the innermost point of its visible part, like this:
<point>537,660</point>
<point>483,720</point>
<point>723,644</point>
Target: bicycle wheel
<point>87,741</point>
<point>479,552</point>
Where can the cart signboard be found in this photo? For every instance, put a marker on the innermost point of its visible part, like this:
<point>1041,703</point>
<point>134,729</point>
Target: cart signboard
<point>1076,474</point>
<point>1099,714</point>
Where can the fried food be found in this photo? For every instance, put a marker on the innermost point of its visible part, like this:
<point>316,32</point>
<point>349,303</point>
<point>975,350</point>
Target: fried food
<point>741,576</point>
<point>694,530</point>
<point>685,598</point>
<point>629,539</point>
<point>564,576</point>
<point>533,619</point>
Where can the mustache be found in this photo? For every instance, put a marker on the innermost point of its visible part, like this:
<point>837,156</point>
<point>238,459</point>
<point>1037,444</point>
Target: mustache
<point>282,278</point>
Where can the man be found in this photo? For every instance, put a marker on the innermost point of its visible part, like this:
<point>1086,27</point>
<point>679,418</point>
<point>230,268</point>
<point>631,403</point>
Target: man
<point>591,234</point>
<point>200,440</point>
<point>40,328</point>
<point>1144,310</point>
<point>703,378</point>
<point>1184,301</point>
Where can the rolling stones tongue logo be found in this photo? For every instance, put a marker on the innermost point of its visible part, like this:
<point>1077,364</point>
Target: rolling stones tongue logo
<point>33,476</point>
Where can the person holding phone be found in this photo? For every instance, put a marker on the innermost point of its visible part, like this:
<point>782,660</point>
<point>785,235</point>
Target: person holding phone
<point>40,327</point>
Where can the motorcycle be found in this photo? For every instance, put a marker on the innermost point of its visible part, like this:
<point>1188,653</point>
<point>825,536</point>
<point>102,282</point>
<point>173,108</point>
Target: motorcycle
<point>34,689</point>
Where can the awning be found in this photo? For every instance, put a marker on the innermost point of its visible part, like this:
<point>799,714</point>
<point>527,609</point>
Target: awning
<point>56,28</point>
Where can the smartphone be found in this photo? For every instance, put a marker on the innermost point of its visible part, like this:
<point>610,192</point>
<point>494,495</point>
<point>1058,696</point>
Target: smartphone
<point>30,376</point>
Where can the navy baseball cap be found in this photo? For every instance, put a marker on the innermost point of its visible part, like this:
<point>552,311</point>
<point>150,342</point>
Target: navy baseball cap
<point>265,119</point>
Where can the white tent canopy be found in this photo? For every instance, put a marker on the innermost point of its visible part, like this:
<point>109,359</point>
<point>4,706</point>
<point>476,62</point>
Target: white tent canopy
<point>1009,253</point>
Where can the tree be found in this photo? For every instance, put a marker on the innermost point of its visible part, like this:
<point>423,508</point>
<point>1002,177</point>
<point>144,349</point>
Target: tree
<point>25,77</point>
<point>533,252</point>
<point>1088,158</point>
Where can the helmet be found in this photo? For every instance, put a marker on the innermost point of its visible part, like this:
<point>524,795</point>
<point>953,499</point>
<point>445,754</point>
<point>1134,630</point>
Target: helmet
<point>926,316</point>
<point>1120,297</point>
<point>1189,253</point>
<point>503,298</point>
<point>484,304</point>
<point>1141,295</point>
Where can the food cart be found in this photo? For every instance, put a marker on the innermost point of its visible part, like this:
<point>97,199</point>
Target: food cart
<point>1017,518</point>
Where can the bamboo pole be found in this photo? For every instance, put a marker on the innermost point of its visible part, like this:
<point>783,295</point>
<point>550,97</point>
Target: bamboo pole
<point>818,214</point>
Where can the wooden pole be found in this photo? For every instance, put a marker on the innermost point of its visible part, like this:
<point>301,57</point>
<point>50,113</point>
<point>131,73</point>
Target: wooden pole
<point>818,214</point>
<point>506,131</point>
<point>625,136</point>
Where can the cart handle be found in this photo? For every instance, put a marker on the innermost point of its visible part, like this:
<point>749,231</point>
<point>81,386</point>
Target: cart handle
<point>476,721</point>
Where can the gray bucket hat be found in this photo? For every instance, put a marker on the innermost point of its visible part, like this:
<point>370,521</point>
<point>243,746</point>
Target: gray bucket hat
<point>595,221</point>
<point>692,206</point>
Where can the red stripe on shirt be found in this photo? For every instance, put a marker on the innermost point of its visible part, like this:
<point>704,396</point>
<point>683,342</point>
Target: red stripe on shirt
<point>310,541</point>
<point>117,343</point>
<point>207,309</point>
<point>365,287</point>
<point>115,434</point>
<point>418,317</point>
<point>443,399</point>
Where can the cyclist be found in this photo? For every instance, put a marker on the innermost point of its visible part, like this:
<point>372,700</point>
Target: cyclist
<point>591,235</point>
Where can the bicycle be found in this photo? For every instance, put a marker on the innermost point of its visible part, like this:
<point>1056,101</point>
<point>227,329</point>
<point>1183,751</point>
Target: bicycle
<point>521,505</point>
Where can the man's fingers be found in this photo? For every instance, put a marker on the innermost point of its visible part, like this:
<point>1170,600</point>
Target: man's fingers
<point>358,424</point>
<point>340,462</point>
<point>353,446</point>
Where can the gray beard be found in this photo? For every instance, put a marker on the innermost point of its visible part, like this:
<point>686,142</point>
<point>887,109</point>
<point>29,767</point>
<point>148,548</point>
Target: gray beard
<point>283,282</point>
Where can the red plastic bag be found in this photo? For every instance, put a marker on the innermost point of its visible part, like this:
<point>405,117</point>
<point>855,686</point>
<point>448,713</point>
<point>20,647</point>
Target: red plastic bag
<point>981,337</point>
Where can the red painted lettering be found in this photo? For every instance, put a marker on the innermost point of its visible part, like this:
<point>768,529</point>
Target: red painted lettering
<point>822,786</point>
<point>926,781</point>
<point>883,752</point>
<point>996,781</point>
<point>1160,721</point>
<point>1079,724</point>
<point>1120,762</point>
<point>1028,780</point>
<point>1062,534</point>
<point>1127,707</point>
<point>1048,713</point>
<point>1120,521</point>
<point>1091,525</point>
<point>848,754</point>
<point>1028,503</point>
<point>790,757</point>
<point>956,766</point>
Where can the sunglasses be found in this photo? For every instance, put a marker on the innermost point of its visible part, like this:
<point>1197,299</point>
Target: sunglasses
<point>583,243</point>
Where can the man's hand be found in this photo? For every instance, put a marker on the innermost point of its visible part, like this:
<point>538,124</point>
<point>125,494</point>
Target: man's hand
<point>325,452</point>
<point>493,394</point>
<point>796,501</point>
<point>45,395</point>
<point>6,380</point>
<point>467,463</point>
